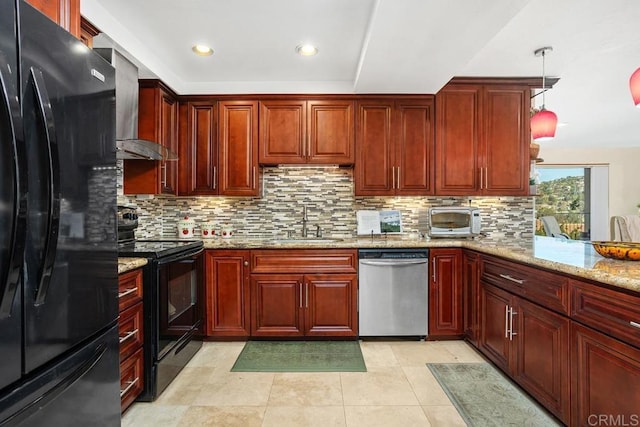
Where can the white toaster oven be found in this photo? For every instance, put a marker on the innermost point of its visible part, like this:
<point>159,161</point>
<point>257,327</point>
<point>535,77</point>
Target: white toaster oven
<point>454,221</point>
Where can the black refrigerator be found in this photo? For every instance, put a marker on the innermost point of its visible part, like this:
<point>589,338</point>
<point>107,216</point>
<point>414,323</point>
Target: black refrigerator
<point>58,256</point>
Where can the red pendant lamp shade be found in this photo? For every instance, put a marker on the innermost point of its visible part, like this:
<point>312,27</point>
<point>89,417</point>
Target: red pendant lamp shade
<point>634,85</point>
<point>543,125</point>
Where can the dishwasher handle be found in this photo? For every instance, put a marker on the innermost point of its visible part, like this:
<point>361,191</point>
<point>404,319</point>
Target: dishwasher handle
<point>394,262</point>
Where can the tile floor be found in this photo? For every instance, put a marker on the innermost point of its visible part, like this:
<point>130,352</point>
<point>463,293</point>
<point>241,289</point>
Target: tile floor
<point>397,390</point>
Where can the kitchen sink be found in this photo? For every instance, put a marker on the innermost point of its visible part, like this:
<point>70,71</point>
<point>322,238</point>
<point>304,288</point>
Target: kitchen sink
<point>309,240</point>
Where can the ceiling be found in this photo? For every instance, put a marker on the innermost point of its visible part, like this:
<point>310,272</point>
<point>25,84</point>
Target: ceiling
<point>393,46</point>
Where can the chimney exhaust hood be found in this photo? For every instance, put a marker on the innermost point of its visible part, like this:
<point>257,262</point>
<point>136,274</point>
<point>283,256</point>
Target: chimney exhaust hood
<point>128,145</point>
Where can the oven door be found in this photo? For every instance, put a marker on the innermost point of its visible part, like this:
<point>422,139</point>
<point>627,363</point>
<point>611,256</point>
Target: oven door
<point>181,301</point>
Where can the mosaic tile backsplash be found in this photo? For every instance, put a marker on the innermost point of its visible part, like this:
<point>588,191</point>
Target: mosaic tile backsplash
<point>329,197</point>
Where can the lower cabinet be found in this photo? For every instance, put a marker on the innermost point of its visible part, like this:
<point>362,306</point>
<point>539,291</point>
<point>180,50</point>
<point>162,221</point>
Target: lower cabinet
<point>471,295</point>
<point>530,344</point>
<point>304,293</point>
<point>227,293</point>
<point>445,294</point>
<point>130,327</point>
<point>605,378</point>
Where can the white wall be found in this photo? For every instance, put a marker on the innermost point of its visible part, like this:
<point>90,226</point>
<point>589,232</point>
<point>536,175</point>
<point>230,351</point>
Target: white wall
<point>624,171</point>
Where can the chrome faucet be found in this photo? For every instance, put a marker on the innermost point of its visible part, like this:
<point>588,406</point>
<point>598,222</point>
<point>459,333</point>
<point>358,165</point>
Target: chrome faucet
<point>305,219</point>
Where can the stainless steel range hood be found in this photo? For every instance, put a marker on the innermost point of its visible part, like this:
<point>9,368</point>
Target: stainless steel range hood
<point>128,145</point>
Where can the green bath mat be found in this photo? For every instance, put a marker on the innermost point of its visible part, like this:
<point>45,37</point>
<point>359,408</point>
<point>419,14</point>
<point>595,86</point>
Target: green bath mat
<point>300,356</point>
<point>484,397</point>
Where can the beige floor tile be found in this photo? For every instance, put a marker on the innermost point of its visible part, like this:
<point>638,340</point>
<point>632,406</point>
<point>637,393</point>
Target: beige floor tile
<point>237,389</point>
<point>419,353</point>
<point>153,415</point>
<point>180,392</point>
<point>385,416</point>
<point>216,354</point>
<point>378,386</point>
<point>304,416</point>
<point>461,351</point>
<point>306,389</point>
<point>378,354</point>
<point>425,386</point>
<point>444,416</point>
<point>227,416</point>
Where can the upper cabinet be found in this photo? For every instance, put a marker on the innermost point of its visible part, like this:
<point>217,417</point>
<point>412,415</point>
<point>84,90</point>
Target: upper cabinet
<point>65,13</point>
<point>158,122</point>
<point>297,131</point>
<point>394,147</point>
<point>482,140</point>
<point>87,32</point>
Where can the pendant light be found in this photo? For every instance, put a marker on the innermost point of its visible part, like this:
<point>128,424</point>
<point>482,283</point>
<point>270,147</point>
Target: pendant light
<point>544,122</point>
<point>634,85</point>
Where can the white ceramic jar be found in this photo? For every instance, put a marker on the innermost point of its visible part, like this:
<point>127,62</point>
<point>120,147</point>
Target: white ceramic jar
<point>208,230</point>
<point>186,228</point>
<point>226,233</point>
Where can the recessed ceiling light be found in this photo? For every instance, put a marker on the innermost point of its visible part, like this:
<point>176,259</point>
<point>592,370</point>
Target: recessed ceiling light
<point>202,50</point>
<point>306,49</point>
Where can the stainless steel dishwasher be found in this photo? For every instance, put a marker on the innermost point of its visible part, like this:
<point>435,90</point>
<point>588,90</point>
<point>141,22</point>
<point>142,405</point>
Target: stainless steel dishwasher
<point>392,292</point>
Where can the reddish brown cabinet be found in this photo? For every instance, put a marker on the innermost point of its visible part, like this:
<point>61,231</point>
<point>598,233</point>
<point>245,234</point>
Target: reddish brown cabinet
<point>238,148</point>
<point>445,293</point>
<point>130,330</point>
<point>227,293</point>
<point>157,122</point>
<point>304,293</point>
<point>471,295</point>
<point>65,13</point>
<point>394,147</point>
<point>198,148</point>
<point>482,139</point>
<point>298,131</point>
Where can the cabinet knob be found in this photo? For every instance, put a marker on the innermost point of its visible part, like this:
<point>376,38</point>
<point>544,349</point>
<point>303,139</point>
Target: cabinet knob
<point>246,263</point>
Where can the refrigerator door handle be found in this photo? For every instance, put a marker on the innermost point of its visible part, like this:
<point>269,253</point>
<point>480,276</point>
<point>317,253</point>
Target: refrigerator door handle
<point>45,113</point>
<point>50,395</point>
<point>9,283</point>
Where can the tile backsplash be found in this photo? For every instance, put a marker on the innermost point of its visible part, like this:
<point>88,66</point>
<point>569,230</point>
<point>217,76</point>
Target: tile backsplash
<point>329,197</point>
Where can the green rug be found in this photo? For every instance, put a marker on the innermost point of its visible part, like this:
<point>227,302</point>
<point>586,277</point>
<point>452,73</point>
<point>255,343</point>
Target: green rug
<point>300,356</point>
<point>485,397</point>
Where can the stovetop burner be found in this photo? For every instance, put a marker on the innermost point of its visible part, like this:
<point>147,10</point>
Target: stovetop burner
<point>157,248</point>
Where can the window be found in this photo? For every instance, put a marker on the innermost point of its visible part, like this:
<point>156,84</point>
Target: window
<point>577,196</point>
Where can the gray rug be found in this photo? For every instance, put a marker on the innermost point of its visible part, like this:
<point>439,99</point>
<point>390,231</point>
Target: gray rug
<point>485,397</point>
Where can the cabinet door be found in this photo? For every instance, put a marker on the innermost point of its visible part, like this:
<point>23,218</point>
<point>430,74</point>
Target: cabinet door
<point>331,305</point>
<point>198,149</point>
<point>283,132</point>
<point>227,293</point>
<point>373,173</point>
<point>505,154</point>
<point>331,132</point>
<point>65,13</point>
<point>605,379</point>
<point>238,142</point>
<point>542,356</point>
<point>168,137</point>
<point>445,293</point>
<point>414,147</point>
<point>494,342</point>
<point>277,305</point>
<point>471,295</point>
<point>457,140</point>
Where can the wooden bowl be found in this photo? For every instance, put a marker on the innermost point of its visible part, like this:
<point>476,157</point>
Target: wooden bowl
<point>627,251</point>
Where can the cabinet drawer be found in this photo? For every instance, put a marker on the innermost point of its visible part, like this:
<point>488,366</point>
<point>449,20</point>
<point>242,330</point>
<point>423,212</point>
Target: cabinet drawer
<point>542,287</point>
<point>129,288</point>
<point>130,330</point>
<point>131,379</point>
<point>614,313</point>
<point>305,260</point>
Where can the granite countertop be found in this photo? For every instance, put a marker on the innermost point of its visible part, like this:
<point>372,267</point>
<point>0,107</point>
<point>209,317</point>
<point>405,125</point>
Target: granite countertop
<point>128,264</point>
<point>573,257</point>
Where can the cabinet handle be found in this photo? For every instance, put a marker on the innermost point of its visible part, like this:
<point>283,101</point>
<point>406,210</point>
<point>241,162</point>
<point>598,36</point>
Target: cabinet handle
<point>246,263</point>
<point>129,335</point>
<point>300,285</point>
<point>481,177</point>
<point>511,314</point>
<point>506,321</point>
<point>634,324</point>
<point>215,178</point>
<point>486,178</point>
<point>164,174</point>
<point>433,267</point>
<point>304,148</point>
<point>518,281</point>
<point>306,295</point>
<point>127,292</point>
<point>398,177</point>
<point>254,178</point>
<point>126,390</point>
<point>393,176</point>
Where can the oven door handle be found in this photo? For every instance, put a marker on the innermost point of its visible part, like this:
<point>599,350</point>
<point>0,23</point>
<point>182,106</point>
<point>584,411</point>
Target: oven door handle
<point>180,257</point>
